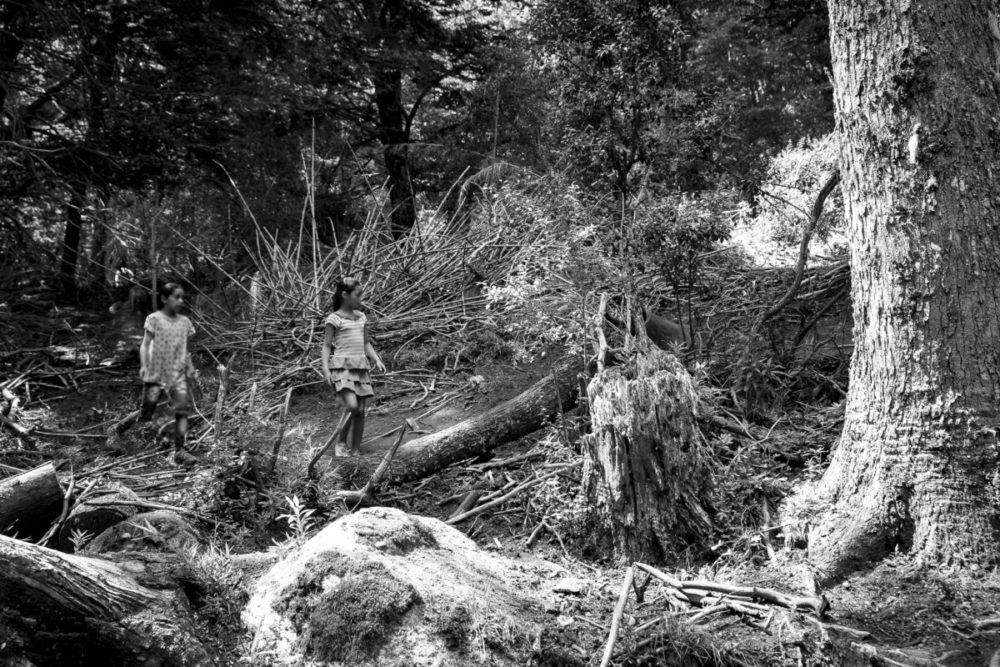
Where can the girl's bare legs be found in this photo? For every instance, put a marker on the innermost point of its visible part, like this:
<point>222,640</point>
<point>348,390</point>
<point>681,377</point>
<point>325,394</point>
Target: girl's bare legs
<point>350,400</point>
<point>358,425</point>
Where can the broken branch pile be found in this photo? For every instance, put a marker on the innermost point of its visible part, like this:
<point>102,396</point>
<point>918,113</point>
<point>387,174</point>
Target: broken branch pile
<point>700,600</point>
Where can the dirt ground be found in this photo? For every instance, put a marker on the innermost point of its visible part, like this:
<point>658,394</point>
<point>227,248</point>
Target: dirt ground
<point>896,614</point>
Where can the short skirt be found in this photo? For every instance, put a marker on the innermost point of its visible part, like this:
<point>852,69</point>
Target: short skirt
<point>353,379</point>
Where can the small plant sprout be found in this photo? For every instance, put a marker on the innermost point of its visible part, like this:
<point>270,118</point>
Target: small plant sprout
<point>79,538</point>
<point>299,518</point>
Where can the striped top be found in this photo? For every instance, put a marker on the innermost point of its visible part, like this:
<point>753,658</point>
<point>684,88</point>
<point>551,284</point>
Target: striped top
<point>348,341</point>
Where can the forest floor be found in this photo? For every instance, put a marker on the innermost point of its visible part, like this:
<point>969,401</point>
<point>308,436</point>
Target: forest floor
<point>896,614</point>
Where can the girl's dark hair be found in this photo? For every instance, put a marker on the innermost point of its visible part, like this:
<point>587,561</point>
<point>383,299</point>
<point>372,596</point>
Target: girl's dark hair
<point>165,290</point>
<point>344,286</point>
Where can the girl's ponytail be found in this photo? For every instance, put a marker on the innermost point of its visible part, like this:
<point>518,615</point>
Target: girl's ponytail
<point>344,286</point>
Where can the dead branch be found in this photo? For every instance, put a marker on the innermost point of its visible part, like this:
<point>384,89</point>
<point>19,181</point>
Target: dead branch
<point>616,618</point>
<point>504,498</point>
<point>814,215</point>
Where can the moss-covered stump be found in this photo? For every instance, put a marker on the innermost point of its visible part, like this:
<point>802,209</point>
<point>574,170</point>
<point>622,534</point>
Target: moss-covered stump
<point>647,470</point>
<point>381,587</point>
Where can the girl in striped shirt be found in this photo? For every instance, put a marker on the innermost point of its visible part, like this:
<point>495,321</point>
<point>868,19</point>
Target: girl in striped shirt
<point>347,357</point>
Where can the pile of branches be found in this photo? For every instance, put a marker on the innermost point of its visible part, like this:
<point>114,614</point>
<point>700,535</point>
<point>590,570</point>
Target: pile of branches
<point>429,281</point>
<point>691,603</point>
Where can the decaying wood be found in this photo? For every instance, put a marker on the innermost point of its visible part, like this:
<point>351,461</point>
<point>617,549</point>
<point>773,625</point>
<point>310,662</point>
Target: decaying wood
<point>150,626</point>
<point>646,467</point>
<point>114,504</point>
<point>478,435</point>
<point>30,502</point>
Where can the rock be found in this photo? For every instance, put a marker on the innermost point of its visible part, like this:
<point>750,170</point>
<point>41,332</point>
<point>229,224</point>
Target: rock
<point>382,587</point>
<point>570,586</point>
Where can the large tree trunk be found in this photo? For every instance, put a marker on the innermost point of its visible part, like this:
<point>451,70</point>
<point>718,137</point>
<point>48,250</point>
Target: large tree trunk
<point>98,605</point>
<point>479,435</point>
<point>645,468</point>
<point>71,240</point>
<point>394,136</point>
<point>917,98</point>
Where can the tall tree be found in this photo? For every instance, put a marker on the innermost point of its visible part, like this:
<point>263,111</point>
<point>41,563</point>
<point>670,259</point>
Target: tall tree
<point>917,93</point>
<point>383,62</point>
<point>98,96</point>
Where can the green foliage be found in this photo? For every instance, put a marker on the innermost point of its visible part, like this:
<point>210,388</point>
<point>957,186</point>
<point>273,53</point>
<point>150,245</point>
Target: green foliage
<point>222,590</point>
<point>792,181</point>
<point>681,95</point>
<point>299,518</point>
<point>616,68</point>
<point>669,236</point>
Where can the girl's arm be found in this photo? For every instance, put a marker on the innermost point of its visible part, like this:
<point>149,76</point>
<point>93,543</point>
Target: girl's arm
<point>372,354</point>
<point>327,344</point>
<point>188,358</point>
<point>189,367</point>
<point>147,343</point>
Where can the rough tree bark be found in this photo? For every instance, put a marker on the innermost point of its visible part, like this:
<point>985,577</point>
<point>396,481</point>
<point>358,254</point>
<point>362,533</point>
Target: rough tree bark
<point>917,98</point>
<point>124,622</point>
<point>645,471</point>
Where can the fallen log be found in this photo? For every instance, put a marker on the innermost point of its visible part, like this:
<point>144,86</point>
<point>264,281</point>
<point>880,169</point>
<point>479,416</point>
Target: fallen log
<point>93,516</point>
<point>483,433</point>
<point>98,604</point>
<point>30,502</point>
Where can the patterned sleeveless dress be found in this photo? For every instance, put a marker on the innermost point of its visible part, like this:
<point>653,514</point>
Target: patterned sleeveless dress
<point>348,362</point>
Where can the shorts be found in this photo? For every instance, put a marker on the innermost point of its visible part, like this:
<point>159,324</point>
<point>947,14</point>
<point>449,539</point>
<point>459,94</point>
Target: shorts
<point>177,392</point>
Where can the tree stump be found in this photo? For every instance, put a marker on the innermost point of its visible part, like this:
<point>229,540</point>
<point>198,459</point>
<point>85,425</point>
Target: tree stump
<point>647,471</point>
<point>30,502</point>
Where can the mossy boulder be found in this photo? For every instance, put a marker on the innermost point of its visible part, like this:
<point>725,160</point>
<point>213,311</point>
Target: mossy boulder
<point>382,587</point>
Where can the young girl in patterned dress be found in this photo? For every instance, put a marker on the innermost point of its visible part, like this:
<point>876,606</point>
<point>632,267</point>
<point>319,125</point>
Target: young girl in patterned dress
<point>346,369</point>
<point>165,365</point>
